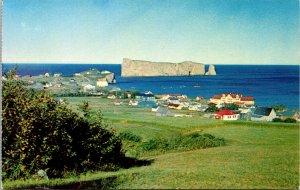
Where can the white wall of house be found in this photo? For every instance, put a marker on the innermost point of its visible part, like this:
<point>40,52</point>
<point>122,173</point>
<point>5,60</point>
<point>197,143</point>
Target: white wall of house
<point>231,117</point>
<point>89,88</point>
<point>102,83</point>
<point>265,118</point>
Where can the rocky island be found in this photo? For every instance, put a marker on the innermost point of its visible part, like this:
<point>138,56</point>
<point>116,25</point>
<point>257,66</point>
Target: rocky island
<point>139,68</point>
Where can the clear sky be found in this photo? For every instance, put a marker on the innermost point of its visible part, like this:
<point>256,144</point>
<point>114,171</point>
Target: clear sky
<point>105,31</point>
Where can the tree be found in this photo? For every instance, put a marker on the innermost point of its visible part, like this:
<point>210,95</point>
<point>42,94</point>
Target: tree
<point>84,107</point>
<point>279,108</point>
<point>290,120</point>
<point>41,134</point>
<point>212,108</point>
<point>231,107</point>
<point>277,120</point>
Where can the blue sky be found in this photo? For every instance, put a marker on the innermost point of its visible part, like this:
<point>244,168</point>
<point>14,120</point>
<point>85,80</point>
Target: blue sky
<point>105,31</point>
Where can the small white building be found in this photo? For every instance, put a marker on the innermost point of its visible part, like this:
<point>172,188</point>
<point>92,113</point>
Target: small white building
<point>88,88</point>
<point>111,96</point>
<point>263,114</point>
<point>198,98</point>
<point>227,115</point>
<point>133,103</point>
<point>47,75</point>
<point>118,103</point>
<point>155,108</point>
<point>57,75</point>
<point>102,83</point>
<point>47,85</point>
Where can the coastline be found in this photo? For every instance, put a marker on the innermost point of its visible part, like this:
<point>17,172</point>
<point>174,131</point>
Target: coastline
<point>268,84</point>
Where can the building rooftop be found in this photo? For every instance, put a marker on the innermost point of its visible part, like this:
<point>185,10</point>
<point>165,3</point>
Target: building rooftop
<point>225,112</point>
<point>145,95</point>
<point>247,98</point>
<point>263,111</point>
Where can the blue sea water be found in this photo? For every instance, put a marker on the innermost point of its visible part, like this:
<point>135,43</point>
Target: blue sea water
<point>269,84</point>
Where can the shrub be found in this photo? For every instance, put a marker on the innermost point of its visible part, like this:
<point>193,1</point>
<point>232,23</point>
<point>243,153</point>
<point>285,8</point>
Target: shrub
<point>277,120</point>
<point>186,142</point>
<point>126,135</point>
<point>290,120</point>
<point>154,144</point>
<point>40,134</point>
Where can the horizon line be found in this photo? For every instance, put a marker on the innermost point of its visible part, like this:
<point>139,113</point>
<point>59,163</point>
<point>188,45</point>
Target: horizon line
<point>99,63</point>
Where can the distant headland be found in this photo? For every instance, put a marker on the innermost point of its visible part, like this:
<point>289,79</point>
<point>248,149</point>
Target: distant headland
<point>139,68</point>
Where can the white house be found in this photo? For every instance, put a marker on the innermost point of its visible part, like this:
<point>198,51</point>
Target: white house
<point>57,75</point>
<point>133,103</point>
<point>194,107</point>
<point>118,102</point>
<point>263,114</point>
<point>88,88</point>
<point>47,75</point>
<point>102,82</point>
<point>111,96</point>
<point>155,108</point>
<point>174,100</point>
<point>227,115</point>
<point>198,98</point>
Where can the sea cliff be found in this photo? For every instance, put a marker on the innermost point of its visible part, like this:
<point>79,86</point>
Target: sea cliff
<point>137,68</point>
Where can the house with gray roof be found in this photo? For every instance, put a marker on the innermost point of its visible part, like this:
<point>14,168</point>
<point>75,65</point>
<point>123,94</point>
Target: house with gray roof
<point>163,111</point>
<point>263,114</point>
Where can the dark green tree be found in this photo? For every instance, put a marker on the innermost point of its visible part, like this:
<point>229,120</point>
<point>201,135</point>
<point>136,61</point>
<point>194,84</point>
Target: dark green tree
<point>231,107</point>
<point>39,133</point>
<point>279,108</point>
<point>212,108</point>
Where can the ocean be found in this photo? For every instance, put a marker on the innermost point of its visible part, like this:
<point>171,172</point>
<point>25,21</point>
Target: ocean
<point>269,84</point>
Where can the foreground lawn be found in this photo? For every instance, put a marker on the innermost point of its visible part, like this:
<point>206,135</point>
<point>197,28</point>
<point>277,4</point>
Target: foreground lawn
<point>254,158</point>
<point>257,155</point>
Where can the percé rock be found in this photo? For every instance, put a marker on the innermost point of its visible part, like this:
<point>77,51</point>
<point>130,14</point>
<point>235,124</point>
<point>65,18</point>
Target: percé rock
<point>211,70</point>
<point>137,68</point>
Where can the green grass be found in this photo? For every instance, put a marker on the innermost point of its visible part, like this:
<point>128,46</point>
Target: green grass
<point>257,155</point>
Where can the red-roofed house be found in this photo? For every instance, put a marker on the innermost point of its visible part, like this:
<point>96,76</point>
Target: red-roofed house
<point>118,102</point>
<point>230,98</point>
<point>227,115</point>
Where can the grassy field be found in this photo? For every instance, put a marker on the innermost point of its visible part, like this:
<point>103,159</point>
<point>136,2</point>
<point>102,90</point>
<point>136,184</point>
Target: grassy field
<point>257,155</point>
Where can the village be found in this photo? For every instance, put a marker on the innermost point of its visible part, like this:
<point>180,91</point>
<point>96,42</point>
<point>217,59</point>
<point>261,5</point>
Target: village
<point>226,106</point>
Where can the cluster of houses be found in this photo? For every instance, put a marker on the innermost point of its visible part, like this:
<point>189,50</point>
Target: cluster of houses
<point>86,81</point>
<point>163,105</point>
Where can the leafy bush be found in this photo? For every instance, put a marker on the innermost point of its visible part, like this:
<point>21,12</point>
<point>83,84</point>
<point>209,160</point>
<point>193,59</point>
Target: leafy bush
<point>154,144</point>
<point>290,120</point>
<point>287,120</point>
<point>126,135</point>
<point>277,120</point>
<point>186,142</point>
<point>41,134</point>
